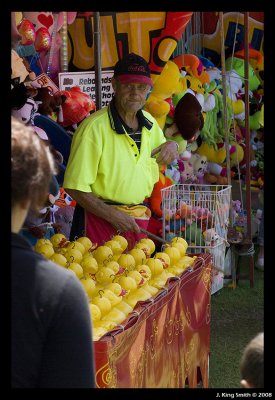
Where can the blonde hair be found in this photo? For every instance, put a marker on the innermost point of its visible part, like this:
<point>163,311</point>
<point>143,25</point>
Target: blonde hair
<point>32,166</point>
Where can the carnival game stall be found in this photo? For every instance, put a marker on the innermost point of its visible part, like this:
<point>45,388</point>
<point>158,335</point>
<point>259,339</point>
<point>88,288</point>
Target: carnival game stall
<point>150,306</point>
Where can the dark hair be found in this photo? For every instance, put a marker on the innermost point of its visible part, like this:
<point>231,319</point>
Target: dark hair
<point>32,166</point>
<point>252,362</point>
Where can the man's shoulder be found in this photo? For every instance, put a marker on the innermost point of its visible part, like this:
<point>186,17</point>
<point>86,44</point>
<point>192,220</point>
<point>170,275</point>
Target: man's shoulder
<point>96,116</point>
<point>149,116</point>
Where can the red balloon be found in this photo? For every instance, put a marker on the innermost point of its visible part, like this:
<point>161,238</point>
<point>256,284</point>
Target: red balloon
<point>27,32</point>
<point>43,40</point>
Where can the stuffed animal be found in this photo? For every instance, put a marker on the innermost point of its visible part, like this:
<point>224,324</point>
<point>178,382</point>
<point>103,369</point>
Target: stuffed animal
<point>186,123</point>
<point>186,172</point>
<point>22,84</point>
<point>256,60</point>
<point>193,66</point>
<point>49,103</point>
<point>76,107</point>
<point>212,238</point>
<point>167,84</point>
<point>155,198</point>
<point>199,164</point>
<point>64,218</point>
<point>26,113</point>
<point>237,64</point>
<point>20,68</point>
<point>172,171</point>
<point>193,235</point>
<point>215,156</point>
<point>188,117</point>
<point>234,86</point>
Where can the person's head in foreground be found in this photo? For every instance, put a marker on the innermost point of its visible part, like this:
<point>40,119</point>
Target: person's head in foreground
<point>252,363</point>
<point>32,166</point>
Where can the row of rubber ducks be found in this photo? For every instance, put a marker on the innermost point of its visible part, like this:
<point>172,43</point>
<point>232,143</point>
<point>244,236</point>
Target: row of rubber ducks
<point>116,280</point>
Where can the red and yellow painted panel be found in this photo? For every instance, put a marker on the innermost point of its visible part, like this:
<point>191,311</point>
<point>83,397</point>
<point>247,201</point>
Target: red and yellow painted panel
<point>152,35</point>
<point>164,343</point>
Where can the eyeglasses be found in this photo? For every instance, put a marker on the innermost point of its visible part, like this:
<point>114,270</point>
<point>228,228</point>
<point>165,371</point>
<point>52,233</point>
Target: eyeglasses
<point>140,87</point>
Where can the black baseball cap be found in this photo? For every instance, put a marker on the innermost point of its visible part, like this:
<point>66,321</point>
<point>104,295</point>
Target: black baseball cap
<point>133,69</point>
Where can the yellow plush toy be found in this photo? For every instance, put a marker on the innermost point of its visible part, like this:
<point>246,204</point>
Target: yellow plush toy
<point>212,155</point>
<point>168,83</point>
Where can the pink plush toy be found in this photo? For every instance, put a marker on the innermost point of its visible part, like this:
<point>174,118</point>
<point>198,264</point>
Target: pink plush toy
<point>186,172</point>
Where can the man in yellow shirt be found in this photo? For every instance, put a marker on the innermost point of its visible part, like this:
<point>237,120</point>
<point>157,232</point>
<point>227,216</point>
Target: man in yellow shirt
<point>112,168</point>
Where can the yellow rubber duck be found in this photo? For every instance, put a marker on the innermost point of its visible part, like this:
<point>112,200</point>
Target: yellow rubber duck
<point>138,294</point>
<point>158,279</point>
<point>146,273</point>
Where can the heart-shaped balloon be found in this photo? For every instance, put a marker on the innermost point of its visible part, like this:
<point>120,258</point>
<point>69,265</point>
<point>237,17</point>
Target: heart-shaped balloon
<point>27,32</point>
<point>43,40</point>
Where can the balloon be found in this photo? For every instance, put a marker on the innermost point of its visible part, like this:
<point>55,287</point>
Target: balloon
<point>43,40</point>
<point>27,32</point>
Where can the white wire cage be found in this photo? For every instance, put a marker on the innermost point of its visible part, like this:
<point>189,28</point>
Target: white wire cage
<point>200,215</point>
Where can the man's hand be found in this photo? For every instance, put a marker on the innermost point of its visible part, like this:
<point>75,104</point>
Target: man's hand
<point>122,222</point>
<point>168,152</point>
<point>89,201</point>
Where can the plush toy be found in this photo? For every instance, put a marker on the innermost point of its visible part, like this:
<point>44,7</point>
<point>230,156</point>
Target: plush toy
<point>64,218</point>
<point>76,107</point>
<point>215,156</point>
<point>64,199</point>
<point>155,198</point>
<point>186,123</point>
<point>237,156</point>
<point>209,98</point>
<point>256,60</point>
<point>49,103</point>
<point>193,66</point>
<point>234,86</point>
<point>42,224</point>
<point>194,236</point>
<point>199,164</point>
<point>237,64</point>
<point>212,238</point>
<point>22,84</point>
<point>26,113</point>
<point>172,171</point>
<point>186,172</point>
<point>188,117</point>
<point>256,121</point>
<point>167,84</point>
<point>20,68</point>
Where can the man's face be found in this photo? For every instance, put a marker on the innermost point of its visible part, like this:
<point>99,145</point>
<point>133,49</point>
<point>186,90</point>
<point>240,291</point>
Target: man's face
<point>130,97</point>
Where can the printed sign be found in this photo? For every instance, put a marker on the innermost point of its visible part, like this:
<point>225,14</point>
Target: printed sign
<point>86,82</point>
<point>44,81</point>
<point>152,35</point>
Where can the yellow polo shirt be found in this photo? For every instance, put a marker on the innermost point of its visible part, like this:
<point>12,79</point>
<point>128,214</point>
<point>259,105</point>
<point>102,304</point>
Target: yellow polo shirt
<point>105,160</point>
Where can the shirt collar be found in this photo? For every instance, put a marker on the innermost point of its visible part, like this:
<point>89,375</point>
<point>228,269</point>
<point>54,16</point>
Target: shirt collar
<point>116,122</point>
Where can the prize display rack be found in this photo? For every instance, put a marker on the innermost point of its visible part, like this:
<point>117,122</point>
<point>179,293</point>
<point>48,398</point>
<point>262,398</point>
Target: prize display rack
<point>199,214</point>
